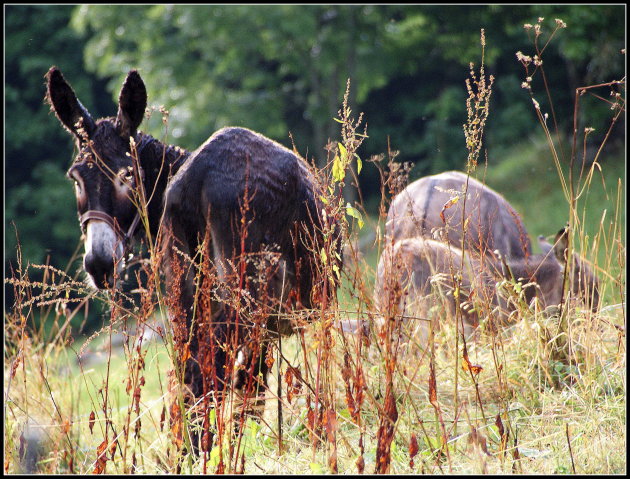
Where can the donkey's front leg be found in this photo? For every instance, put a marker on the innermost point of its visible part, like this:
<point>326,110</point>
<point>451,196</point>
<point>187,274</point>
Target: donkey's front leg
<point>250,381</point>
<point>186,319</point>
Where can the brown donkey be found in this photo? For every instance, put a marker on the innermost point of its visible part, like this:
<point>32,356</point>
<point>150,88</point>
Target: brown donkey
<point>239,220</point>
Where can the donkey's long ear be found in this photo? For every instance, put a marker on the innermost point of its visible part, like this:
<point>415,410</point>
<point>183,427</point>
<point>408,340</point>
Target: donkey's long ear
<point>131,105</point>
<point>64,102</point>
<point>561,245</point>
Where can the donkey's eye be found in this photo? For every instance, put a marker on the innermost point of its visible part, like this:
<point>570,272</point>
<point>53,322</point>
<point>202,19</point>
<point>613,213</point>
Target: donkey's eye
<point>125,175</point>
<point>78,187</point>
<point>124,182</point>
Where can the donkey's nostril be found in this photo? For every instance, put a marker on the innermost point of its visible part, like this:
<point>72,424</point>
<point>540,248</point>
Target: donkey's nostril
<point>100,269</point>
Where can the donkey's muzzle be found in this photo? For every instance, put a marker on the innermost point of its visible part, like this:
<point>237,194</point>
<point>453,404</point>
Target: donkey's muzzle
<point>100,269</point>
<point>103,253</point>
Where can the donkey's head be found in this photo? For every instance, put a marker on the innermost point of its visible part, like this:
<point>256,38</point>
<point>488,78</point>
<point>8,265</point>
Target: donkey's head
<point>103,172</point>
<point>583,282</point>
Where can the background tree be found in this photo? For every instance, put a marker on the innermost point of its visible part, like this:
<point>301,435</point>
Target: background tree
<point>38,198</point>
<point>282,69</point>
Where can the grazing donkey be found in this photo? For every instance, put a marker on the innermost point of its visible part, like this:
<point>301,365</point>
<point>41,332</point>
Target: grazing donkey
<point>239,221</point>
<point>492,222</point>
<point>415,280</point>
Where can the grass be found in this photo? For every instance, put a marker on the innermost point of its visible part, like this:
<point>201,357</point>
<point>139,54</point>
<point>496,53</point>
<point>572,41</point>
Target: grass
<point>532,160</point>
<point>593,408</point>
<point>545,396</point>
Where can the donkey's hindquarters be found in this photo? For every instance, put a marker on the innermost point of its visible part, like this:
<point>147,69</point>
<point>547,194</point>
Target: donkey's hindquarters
<point>433,207</point>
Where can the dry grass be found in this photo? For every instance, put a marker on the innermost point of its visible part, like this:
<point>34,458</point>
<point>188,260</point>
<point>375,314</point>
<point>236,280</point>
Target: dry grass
<point>544,404</point>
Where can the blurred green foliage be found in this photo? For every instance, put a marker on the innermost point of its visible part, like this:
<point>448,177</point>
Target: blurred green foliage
<point>282,70</point>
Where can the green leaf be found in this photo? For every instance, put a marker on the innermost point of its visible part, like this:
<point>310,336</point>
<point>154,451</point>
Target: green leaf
<point>316,468</point>
<point>338,171</point>
<point>359,164</point>
<point>254,427</point>
<point>343,151</point>
<point>351,211</point>
<point>345,412</point>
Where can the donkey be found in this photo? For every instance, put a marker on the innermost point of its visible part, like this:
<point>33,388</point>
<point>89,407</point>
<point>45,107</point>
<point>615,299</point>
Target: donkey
<point>492,223</point>
<point>415,279</point>
<point>239,223</point>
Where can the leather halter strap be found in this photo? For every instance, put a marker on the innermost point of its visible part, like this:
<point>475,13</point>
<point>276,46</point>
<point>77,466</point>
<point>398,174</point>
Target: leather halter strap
<point>98,215</point>
<point>102,216</point>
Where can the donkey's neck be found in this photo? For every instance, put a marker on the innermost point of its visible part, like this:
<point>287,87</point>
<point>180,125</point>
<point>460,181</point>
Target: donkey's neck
<point>159,162</point>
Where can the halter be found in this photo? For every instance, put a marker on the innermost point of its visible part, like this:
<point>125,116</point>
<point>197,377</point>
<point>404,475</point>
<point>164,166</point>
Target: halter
<point>102,216</point>
<point>111,221</point>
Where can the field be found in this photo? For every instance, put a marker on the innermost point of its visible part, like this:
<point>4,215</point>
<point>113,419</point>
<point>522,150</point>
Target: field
<point>549,396</point>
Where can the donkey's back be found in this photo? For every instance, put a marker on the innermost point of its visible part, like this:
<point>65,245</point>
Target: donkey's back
<point>249,193</point>
<point>492,223</point>
<point>237,168</point>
